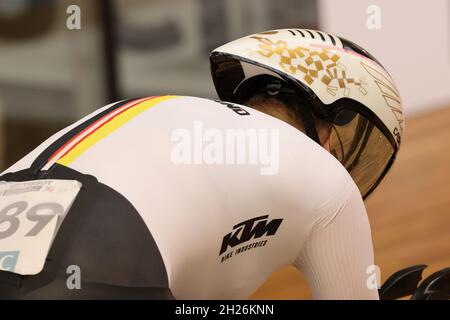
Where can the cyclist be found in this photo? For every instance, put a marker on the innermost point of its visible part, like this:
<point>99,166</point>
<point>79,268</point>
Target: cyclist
<point>166,207</point>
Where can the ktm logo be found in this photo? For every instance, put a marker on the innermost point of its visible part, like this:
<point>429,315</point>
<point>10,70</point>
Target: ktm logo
<point>250,229</point>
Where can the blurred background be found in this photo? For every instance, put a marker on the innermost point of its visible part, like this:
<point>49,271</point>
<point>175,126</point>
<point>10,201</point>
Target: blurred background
<point>51,75</point>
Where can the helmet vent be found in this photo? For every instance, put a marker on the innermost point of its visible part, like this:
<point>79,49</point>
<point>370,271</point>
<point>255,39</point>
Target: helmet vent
<point>332,39</point>
<point>311,34</point>
<point>301,32</point>
<point>321,36</point>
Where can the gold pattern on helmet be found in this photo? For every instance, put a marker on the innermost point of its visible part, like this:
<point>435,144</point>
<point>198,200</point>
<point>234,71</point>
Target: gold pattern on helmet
<point>320,64</point>
<point>390,95</point>
<point>334,79</point>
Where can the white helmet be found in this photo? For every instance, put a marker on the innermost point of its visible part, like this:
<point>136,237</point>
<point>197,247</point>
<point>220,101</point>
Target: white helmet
<point>333,79</point>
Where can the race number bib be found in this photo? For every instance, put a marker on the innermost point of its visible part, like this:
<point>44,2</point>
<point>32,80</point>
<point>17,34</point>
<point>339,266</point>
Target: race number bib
<point>30,215</point>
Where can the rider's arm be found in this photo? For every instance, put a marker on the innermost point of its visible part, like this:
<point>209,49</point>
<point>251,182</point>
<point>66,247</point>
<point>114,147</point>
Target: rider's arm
<point>338,251</point>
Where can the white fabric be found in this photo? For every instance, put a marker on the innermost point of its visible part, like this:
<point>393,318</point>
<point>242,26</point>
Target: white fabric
<point>337,253</point>
<point>189,209</point>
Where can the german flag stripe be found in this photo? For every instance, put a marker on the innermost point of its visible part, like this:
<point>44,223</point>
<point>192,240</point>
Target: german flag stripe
<point>91,127</point>
<point>101,128</point>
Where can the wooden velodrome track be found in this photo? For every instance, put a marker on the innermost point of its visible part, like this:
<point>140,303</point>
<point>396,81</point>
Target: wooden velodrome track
<point>409,213</point>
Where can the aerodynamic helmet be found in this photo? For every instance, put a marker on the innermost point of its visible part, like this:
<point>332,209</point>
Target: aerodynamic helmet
<point>334,80</point>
